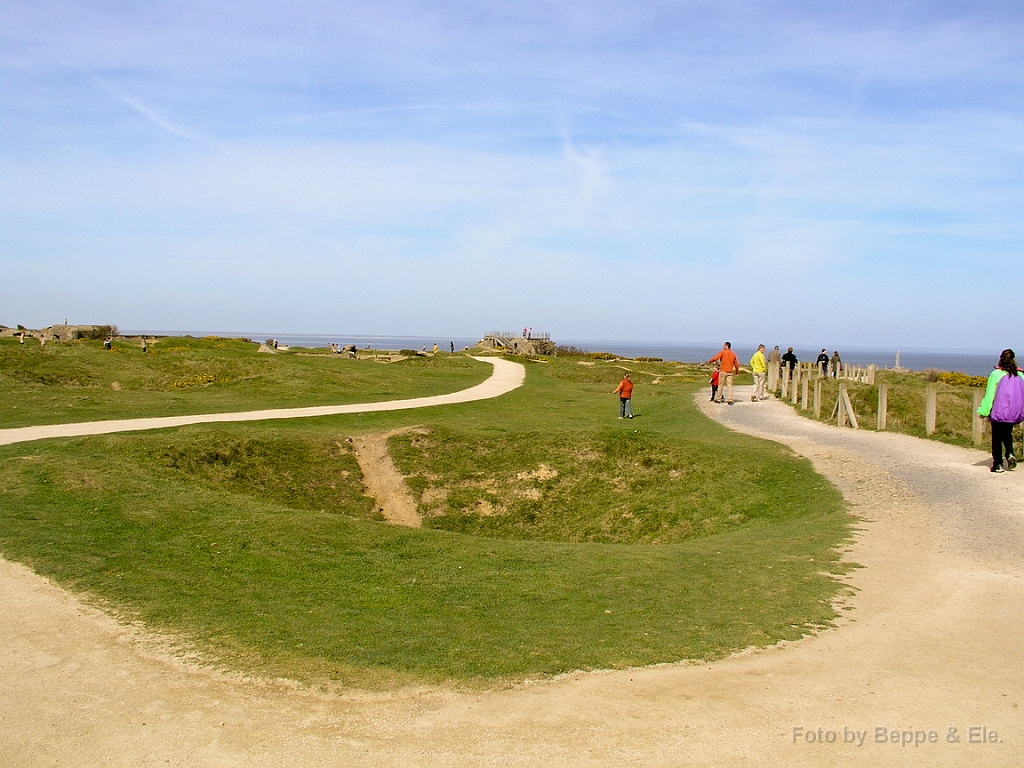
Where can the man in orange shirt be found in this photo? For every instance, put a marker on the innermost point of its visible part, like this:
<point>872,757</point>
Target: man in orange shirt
<point>625,393</point>
<point>730,366</point>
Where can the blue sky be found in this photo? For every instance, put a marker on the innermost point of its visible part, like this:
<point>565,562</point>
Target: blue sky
<point>834,173</point>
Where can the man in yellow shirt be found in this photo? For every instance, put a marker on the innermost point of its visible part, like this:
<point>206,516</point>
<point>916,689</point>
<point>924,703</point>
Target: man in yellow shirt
<point>759,368</point>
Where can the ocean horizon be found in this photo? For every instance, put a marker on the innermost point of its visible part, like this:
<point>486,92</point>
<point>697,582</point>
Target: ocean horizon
<point>973,362</point>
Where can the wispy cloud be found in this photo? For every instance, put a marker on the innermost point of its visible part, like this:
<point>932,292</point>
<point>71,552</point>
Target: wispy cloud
<point>130,101</point>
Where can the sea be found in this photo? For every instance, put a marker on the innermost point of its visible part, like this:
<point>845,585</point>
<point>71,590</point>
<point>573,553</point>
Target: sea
<point>973,362</point>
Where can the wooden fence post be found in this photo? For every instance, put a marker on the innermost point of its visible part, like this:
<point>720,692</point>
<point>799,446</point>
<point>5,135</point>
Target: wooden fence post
<point>803,396</point>
<point>849,409</point>
<point>929,409</point>
<point>796,385</point>
<point>817,398</point>
<point>977,422</point>
<point>773,377</point>
<point>883,406</point>
<point>841,405</point>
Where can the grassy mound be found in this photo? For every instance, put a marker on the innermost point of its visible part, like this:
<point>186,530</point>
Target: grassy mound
<point>82,381</point>
<point>557,538</point>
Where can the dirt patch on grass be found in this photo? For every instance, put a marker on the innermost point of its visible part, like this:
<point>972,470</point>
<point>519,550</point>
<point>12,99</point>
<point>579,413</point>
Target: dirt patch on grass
<point>382,479</point>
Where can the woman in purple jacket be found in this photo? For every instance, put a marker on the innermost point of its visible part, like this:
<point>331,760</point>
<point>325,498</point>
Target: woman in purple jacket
<point>1003,406</point>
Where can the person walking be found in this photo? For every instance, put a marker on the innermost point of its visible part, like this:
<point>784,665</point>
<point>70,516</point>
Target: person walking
<point>1003,406</point>
<point>823,363</point>
<point>790,360</point>
<point>759,367</point>
<point>730,366</point>
<point>837,364</point>
<point>625,393</point>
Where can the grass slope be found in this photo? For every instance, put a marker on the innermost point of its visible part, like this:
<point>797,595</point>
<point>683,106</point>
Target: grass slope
<point>81,381</point>
<point>657,539</point>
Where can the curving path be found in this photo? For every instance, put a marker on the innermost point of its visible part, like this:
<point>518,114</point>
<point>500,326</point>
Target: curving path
<point>507,376</point>
<point>933,642</point>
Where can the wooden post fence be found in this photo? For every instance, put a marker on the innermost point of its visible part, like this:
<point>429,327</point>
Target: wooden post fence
<point>977,422</point>
<point>929,409</point>
<point>803,397</point>
<point>817,399</point>
<point>883,406</point>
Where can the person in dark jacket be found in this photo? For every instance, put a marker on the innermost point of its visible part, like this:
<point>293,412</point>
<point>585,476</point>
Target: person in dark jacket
<point>790,359</point>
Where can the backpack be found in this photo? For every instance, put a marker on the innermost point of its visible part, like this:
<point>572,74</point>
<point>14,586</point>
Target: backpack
<point>1008,405</point>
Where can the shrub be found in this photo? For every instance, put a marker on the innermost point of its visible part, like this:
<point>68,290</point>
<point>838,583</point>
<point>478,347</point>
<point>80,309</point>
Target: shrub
<point>649,359</point>
<point>567,350</point>
<point>958,379</point>
<point>603,356</point>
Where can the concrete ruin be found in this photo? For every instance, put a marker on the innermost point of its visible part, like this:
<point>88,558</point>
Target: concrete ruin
<point>533,343</point>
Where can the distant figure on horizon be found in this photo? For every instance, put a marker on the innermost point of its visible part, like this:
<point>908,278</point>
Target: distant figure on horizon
<point>759,367</point>
<point>452,345</point>
<point>730,366</point>
<point>1003,406</point>
<point>822,362</point>
<point>837,364</point>
<point>625,393</point>
<point>435,347</point>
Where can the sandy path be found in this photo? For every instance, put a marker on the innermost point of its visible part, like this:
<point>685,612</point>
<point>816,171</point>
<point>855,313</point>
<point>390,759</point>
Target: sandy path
<point>382,479</point>
<point>507,376</point>
<point>933,642</point>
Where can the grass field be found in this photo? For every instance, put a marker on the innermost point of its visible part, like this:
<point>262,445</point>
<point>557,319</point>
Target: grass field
<point>83,382</point>
<point>555,536</point>
<point>906,405</point>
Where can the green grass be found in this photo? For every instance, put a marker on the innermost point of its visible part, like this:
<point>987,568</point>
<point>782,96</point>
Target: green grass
<point>659,539</point>
<point>906,405</point>
<point>83,382</point>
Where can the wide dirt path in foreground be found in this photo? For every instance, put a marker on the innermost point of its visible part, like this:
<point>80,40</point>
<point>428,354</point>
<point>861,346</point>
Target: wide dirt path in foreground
<point>933,642</point>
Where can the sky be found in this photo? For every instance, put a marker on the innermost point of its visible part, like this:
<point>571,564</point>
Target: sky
<point>817,173</point>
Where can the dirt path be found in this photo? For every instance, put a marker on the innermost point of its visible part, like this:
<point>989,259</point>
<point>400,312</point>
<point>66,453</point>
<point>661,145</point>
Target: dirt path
<point>382,479</point>
<point>507,376</point>
<point>933,643</point>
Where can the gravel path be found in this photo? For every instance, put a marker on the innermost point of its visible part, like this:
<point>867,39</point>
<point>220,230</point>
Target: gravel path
<point>507,376</point>
<point>932,642</point>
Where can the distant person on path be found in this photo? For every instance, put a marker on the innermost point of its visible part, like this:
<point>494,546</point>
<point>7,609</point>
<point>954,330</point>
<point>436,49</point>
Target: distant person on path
<point>452,345</point>
<point>775,356</point>
<point>1003,406</point>
<point>759,367</point>
<point>435,347</point>
<point>714,383</point>
<point>837,364</point>
<point>790,360</point>
<point>730,366</point>
<point>625,393</point>
<point>823,363</point>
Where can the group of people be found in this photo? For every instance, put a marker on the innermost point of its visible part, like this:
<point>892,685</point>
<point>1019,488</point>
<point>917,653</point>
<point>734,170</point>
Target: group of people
<point>727,365</point>
<point>1002,405</point>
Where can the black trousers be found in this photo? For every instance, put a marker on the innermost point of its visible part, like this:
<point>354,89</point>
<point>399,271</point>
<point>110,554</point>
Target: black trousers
<point>1002,437</point>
